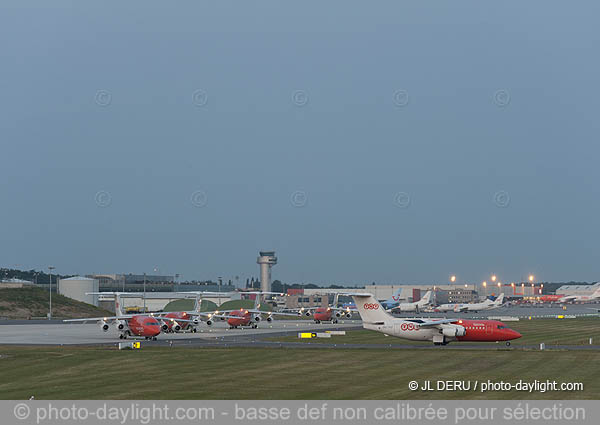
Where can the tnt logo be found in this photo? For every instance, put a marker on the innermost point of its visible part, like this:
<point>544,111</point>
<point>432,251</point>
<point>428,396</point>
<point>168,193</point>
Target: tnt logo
<point>370,306</point>
<point>409,327</point>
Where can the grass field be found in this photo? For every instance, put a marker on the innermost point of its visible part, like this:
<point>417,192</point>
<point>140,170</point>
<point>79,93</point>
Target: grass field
<point>552,332</point>
<point>303,373</point>
<point>25,303</point>
<point>280,373</point>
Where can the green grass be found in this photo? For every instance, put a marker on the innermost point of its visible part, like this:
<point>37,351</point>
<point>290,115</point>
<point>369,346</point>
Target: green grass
<point>281,373</point>
<point>237,304</point>
<point>550,331</point>
<point>25,303</point>
<point>188,305</point>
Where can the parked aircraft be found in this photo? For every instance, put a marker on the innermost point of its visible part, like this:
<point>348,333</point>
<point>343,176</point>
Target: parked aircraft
<point>416,306</point>
<point>178,321</point>
<point>330,313</point>
<point>142,325</point>
<point>473,307</point>
<point>580,298</point>
<point>249,317</point>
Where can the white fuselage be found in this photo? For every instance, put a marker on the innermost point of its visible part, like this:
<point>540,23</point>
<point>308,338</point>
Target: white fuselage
<point>486,305</point>
<point>404,329</point>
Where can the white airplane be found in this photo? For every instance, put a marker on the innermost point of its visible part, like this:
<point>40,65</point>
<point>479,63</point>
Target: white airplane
<point>473,307</point>
<point>415,306</point>
<point>439,331</point>
<point>580,298</point>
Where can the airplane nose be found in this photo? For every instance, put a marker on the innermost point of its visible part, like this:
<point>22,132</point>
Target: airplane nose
<point>516,334</point>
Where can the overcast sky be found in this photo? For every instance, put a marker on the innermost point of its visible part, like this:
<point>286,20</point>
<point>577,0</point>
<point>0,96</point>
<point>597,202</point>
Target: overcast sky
<point>389,141</point>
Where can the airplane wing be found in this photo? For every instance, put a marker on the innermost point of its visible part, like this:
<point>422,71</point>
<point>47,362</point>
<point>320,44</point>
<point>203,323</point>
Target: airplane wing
<point>437,322</point>
<point>226,316</point>
<point>271,313</point>
<point>568,298</point>
<point>173,319</point>
<point>104,319</point>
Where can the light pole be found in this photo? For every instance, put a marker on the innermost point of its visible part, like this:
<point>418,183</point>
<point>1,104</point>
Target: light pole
<point>144,292</point>
<point>50,268</point>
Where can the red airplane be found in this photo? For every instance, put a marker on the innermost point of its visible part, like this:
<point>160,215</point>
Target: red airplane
<point>551,298</point>
<point>127,324</point>
<point>329,313</point>
<point>439,331</point>
<point>178,321</point>
<point>249,317</point>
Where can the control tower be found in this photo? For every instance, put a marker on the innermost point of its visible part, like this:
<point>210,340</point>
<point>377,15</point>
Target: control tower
<point>266,259</point>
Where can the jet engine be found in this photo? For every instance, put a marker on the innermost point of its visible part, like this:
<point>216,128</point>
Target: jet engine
<point>175,327</point>
<point>257,318</point>
<point>348,315</point>
<point>453,330</point>
<point>165,327</point>
<point>270,319</point>
<point>120,326</point>
<point>307,313</point>
<point>104,326</point>
<point>209,322</point>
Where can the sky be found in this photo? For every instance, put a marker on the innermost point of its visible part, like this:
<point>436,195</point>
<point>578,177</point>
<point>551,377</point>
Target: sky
<point>389,141</point>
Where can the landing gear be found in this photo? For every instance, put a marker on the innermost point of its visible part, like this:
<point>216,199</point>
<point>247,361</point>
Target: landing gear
<point>508,343</point>
<point>154,338</point>
<point>317,321</point>
<point>334,321</point>
<point>254,326</point>
<point>194,330</point>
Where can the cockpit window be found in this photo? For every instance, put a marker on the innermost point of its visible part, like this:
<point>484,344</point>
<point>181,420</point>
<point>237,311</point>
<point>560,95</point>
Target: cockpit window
<point>502,327</point>
<point>151,324</point>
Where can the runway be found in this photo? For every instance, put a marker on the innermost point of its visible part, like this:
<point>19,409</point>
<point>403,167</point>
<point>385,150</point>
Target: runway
<point>24,332</point>
<point>85,334</point>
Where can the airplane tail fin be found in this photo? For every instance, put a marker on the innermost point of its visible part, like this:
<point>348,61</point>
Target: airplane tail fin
<point>426,299</point>
<point>118,305</point>
<point>197,303</point>
<point>257,301</point>
<point>117,298</point>
<point>395,298</point>
<point>370,310</point>
<point>335,299</point>
<point>500,299</point>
